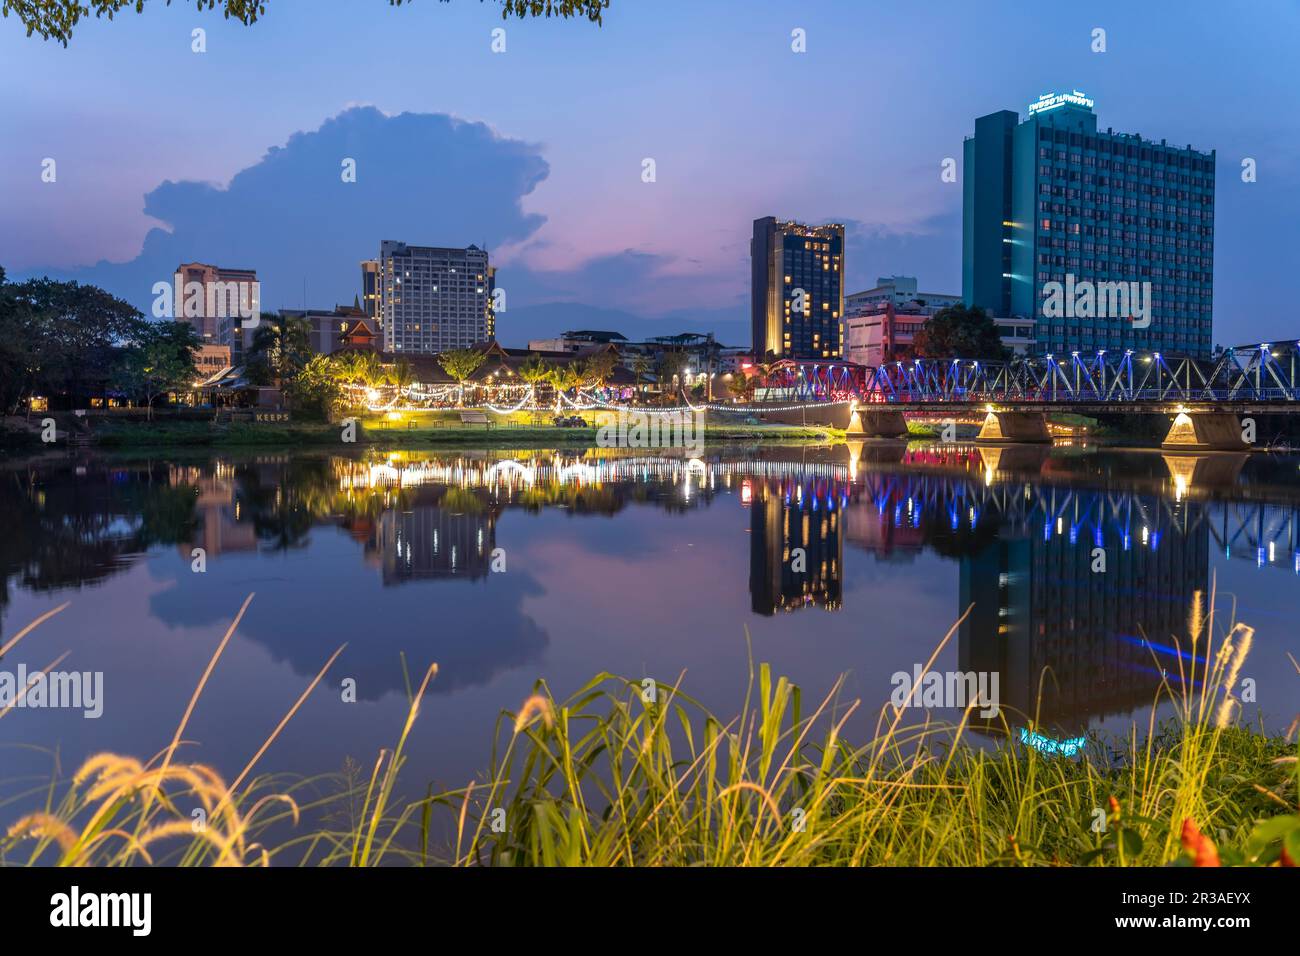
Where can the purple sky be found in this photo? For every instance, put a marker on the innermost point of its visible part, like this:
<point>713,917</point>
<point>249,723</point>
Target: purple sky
<point>233,155</point>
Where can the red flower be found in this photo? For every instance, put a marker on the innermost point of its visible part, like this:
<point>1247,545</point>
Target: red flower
<point>1199,846</point>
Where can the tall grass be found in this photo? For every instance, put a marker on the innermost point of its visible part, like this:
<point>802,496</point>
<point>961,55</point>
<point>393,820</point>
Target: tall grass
<point>623,777</point>
<point>627,774</point>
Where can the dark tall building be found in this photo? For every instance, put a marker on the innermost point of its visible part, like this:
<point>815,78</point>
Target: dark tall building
<point>797,292</point>
<point>1055,212</point>
<point>370,288</point>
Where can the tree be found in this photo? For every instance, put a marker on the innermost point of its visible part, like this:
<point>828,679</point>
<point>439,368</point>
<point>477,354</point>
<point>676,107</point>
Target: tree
<point>54,19</point>
<point>564,377</point>
<point>641,368</point>
<point>17,360</point>
<point>346,366</point>
<point>71,334</point>
<point>314,392</point>
<point>160,360</point>
<point>599,368</point>
<point>672,364</point>
<point>959,331</point>
<point>371,372</point>
<point>742,386</point>
<point>534,372</point>
<point>400,375</point>
<point>460,364</point>
<point>281,347</point>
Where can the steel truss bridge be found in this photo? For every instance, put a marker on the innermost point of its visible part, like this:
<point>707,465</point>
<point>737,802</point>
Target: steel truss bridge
<point>1242,377</point>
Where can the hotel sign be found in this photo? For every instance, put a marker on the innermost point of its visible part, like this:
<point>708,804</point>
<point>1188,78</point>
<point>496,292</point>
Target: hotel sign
<point>1051,101</point>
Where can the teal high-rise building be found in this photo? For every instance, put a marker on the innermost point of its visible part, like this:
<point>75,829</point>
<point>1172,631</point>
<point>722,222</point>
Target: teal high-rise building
<point>1106,239</point>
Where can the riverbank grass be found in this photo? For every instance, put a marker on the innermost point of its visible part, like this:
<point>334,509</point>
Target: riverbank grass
<point>633,773</point>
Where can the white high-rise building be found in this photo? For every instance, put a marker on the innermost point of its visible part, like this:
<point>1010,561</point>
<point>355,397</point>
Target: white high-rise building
<point>432,299</point>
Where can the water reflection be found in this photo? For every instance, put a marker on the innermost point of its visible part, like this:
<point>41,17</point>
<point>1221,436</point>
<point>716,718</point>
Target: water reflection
<point>1081,568</point>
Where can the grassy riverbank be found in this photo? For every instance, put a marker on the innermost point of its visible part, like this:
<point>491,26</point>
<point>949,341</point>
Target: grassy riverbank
<point>432,429</point>
<point>626,773</point>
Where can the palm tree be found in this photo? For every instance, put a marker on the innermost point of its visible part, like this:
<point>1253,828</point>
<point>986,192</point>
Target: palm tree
<point>400,376</point>
<point>672,364</point>
<point>371,371</point>
<point>599,368</point>
<point>641,368</point>
<point>563,378</point>
<point>535,371</point>
<point>347,366</point>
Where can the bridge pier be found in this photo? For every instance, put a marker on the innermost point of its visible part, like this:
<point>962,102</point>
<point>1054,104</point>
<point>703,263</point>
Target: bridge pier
<point>1015,427</point>
<point>1205,431</point>
<point>867,423</point>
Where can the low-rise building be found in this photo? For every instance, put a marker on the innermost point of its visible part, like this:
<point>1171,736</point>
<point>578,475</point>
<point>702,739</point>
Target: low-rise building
<point>886,333</point>
<point>902,293</point>
<point>211,359</point>
<point>576,341</point>
<point>344,326</point>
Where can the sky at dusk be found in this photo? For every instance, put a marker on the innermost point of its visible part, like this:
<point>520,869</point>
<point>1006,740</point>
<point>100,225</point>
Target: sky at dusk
<point>233,156</point>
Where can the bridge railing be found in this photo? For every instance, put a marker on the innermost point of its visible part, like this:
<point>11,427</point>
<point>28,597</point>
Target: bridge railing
<point>1251,374</point>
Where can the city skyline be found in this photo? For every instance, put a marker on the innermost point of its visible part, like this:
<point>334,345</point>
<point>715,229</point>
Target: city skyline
<point>561,205</point>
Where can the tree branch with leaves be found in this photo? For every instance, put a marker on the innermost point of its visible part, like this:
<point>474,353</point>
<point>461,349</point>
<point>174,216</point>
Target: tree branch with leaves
<point>55,19</point>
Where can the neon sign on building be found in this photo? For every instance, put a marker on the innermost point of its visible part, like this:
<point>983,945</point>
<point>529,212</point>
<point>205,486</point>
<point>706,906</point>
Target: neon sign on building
<point>1051,101</point>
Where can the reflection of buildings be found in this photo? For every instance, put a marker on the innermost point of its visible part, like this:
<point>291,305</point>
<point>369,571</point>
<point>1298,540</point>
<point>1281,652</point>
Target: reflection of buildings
<point>786,515</point>
<point>1039,605</point>
<point>434,542</point>
<point>888,525</point>
<point>219,526</point>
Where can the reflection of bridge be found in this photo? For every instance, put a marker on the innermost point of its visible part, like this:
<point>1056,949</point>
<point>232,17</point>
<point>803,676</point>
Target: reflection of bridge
<point>1268,534</point>
<point>1206,394</point>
